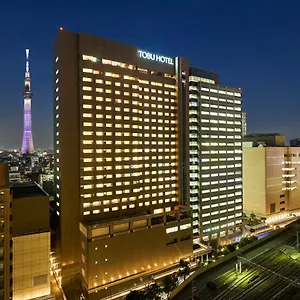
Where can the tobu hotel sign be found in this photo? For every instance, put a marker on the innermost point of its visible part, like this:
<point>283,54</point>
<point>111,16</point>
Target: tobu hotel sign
<point>155,57</point>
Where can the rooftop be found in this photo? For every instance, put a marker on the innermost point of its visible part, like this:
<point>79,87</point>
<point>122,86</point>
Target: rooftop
<point>27,189</point>
<point>262,134</point>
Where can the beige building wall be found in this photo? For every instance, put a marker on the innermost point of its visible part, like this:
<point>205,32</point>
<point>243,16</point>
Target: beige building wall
<point>277,198</point>
<point>31,261</point>
<point>293,164</point>
<point>270,180</point>
<point>254,180</point>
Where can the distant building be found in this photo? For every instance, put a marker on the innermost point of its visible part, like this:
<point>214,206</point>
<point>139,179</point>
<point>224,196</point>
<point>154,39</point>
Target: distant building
<point>244,124</point>
<point>14,176</point>
<point>270,180</point>
<point>295,142</point>
<point>265,139</point>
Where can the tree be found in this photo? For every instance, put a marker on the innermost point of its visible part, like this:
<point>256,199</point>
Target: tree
<point>243,242</point>
<point>134,295</point>
<point>230,247</point>
<point>252,216</point>
<point>170,283</point>
<point>214,244</point>
<point>184,268</point>
<point>153,292</point>
<point>253,238</point>
<point>263,219</point>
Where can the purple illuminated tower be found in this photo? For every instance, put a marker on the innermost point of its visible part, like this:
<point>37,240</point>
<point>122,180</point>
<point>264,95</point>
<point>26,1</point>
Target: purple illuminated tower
<point>27,144</point>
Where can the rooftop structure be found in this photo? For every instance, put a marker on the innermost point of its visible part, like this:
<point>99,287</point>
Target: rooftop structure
<point>265,139</point>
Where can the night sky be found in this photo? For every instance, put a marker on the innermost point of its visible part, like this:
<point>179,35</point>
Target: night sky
<point>250,44</point>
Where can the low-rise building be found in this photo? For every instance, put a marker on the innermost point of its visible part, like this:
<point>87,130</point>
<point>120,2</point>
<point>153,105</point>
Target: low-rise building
<point>24,241</point>
<point>270,185</point>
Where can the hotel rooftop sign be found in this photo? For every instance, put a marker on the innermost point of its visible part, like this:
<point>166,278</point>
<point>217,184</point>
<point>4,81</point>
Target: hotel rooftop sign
<point>156,57</point>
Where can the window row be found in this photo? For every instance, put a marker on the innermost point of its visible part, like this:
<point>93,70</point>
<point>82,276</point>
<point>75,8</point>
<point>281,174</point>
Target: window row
<point>125,101</point>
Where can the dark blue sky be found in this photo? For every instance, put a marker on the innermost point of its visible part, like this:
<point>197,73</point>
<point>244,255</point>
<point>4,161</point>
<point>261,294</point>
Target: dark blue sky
<point>250,44</point>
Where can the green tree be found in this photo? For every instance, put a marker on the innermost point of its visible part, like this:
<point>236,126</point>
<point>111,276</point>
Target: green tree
<point>153,292</point>
<point>134,295</point>
<point>253,238</point>
<point>230,247</point>
<point>252,216</point>
<point>243,242</point>
<point>170,283</point>
<point>263,219</point>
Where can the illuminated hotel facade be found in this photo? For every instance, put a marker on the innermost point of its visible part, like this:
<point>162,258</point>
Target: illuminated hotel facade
<point>148,162</point>
<point>121,164</point>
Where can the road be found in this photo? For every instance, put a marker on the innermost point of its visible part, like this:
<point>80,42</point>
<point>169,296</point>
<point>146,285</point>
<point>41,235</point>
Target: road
<point>270,271</point>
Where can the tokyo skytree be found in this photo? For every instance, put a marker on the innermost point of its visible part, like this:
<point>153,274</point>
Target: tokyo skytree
<point>27,144</point>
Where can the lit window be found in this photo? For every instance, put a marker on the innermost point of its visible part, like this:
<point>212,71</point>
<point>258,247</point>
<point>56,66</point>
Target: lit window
<point>86,88</point>
<point>87,70</point>
<point>172,229</point>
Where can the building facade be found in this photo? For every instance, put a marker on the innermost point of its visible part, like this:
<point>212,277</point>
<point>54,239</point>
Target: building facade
<point>25,241</point>
<point>5,240</point>
<point>121,163</point>
<point>215,124</point>
<point>244,124</point>
<point>295,142</point>
<point>30,243</point>
<point>270,186</point>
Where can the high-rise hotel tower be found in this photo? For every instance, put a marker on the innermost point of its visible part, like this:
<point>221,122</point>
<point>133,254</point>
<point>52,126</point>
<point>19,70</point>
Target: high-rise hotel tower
<point>215,124</point>
<point>121,163</point>
<point>139,139</point>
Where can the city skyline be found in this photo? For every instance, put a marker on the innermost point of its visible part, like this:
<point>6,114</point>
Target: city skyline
<point>260,50</point>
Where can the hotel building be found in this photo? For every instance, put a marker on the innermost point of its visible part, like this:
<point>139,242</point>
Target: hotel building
<point>215,124</point>
<point>121,164</point>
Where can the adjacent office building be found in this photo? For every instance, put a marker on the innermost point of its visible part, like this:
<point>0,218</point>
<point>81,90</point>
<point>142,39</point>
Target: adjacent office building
<point>215,124</point>
<point>5,239</point>
<point>121,163</point>
<point>25,241</point>
<point>30,242</point>
<point>270,185</point>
